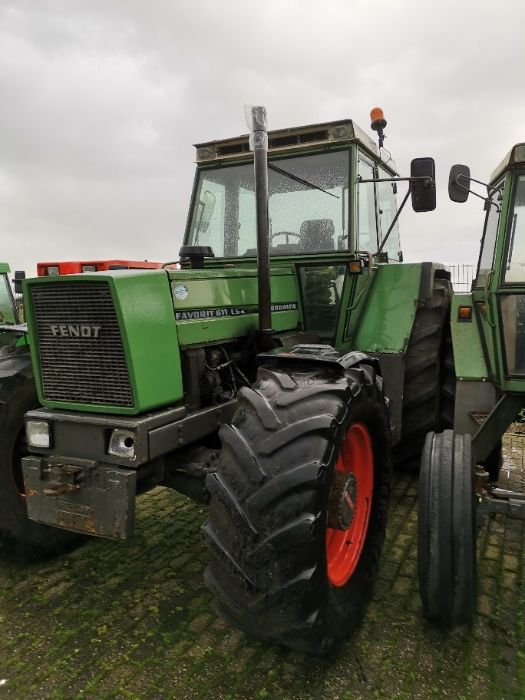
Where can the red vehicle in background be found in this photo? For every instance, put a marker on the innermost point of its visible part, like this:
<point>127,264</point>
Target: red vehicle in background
<point>70,267</point>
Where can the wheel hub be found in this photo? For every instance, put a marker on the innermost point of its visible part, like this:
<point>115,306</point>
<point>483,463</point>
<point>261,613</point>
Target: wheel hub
<point>343,499</point>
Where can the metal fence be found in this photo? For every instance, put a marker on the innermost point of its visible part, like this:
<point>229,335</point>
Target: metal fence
<point>462,276</point>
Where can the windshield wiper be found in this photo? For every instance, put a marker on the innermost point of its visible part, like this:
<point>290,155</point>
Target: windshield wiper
<point>299,179</point>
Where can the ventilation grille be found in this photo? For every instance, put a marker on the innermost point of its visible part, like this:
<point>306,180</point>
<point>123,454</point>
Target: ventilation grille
<point>82,358</point>
<point>276,142</point>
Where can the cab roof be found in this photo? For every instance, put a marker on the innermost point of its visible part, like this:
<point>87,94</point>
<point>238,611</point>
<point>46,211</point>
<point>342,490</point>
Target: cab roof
<point>514,159</point>
<point>293,138</point>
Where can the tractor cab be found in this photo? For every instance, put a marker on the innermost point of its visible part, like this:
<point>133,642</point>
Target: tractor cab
<point>498,290</point>
<point>330,201</point>
<point>316,204</point>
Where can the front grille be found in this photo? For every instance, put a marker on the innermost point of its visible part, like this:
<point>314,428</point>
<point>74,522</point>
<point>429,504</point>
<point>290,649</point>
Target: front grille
<point>77,362</point>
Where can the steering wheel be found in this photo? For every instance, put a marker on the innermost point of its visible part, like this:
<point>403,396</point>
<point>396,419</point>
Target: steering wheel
<point>286,234</point>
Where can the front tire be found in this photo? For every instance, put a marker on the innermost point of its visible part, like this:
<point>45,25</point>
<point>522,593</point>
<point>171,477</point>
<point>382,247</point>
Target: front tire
<point>302,442</point>
<point>447,530</point>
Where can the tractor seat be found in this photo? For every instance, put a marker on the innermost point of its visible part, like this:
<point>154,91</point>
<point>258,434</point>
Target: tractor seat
<point>317,235</point>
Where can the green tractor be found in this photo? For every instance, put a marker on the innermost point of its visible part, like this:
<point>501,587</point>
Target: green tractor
<point>460,467</point>
<point>271,376</point>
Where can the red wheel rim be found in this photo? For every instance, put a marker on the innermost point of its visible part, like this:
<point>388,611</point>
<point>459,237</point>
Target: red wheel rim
<point>344,547</point>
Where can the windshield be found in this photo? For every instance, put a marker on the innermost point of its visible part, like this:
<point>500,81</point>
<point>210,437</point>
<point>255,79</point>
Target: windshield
<point>515,267</point>
<point>307,207</point>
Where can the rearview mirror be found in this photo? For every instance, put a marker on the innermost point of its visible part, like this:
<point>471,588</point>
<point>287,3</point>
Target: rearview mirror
<point>423,189</point>
<point>458,183</point>
<point>19,276</point>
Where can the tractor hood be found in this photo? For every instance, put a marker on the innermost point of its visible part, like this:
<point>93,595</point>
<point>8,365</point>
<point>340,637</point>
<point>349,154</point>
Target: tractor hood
<point>110,342</point>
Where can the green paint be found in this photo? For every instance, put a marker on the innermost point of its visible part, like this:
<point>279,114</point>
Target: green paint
<point>384,318</point>
<point>145,313</point>
<point>217,330</point>
<point>469,358</point>
<point>227,291</point>
<point>4,268</point>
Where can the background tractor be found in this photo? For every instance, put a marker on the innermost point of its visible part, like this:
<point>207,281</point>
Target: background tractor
<point>269,376</point>
<point>488,334</point>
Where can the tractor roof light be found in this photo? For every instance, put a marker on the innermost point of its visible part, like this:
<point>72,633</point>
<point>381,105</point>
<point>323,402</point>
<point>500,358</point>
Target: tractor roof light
<point>378,123</point>
<point>377,117</point>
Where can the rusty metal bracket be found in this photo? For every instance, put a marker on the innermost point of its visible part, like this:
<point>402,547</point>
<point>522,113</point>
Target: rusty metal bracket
<point>81,496</point>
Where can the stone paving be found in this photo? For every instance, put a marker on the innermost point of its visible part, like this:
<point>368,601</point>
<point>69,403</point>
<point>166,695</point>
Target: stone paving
<point>133,620</point>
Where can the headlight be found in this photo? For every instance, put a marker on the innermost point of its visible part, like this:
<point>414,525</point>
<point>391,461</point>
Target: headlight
<point>122,443</point>
<point>38,433</point>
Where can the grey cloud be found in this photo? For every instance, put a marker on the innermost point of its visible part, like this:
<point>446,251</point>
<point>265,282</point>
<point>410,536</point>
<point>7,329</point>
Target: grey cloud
<point>101,102</point>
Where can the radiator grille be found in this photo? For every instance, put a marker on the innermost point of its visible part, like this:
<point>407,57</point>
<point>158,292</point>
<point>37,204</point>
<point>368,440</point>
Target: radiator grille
<point>75,365</point>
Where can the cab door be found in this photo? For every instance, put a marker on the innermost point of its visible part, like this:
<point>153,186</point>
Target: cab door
<point>511,291</point>
<point>484,283</point>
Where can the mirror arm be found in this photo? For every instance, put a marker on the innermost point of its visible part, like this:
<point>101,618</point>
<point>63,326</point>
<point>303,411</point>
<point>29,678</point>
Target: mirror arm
<point>396,217</point>
<point>488,199</point>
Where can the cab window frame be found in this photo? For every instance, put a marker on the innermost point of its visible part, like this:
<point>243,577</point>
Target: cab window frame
<point>475,283</point>
<point>508,232</point>
<point>366,160</point>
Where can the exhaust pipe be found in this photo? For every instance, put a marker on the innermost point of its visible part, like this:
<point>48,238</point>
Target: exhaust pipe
<point>257,123</point>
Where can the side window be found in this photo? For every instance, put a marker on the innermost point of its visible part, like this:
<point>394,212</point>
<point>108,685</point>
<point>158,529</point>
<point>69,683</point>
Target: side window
<point>212,233</point>
<point>322,288</point>
<point>6,305</point>
<point>488,245</point>
<point>515,267</point>
<point>366,205</point>
<point>387,210</point>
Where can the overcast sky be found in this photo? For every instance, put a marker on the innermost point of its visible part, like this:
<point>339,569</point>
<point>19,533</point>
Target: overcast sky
<point>101,101</point>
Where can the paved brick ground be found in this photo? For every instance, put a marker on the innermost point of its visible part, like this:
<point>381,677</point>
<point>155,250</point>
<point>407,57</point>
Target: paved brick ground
<point>134,620</point>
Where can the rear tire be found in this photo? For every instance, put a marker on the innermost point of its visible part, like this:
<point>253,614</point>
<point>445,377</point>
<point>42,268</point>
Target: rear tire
<point>275,567</point>
<point>447,530</point>
<point>429,384</point>
<point>19,536</point>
